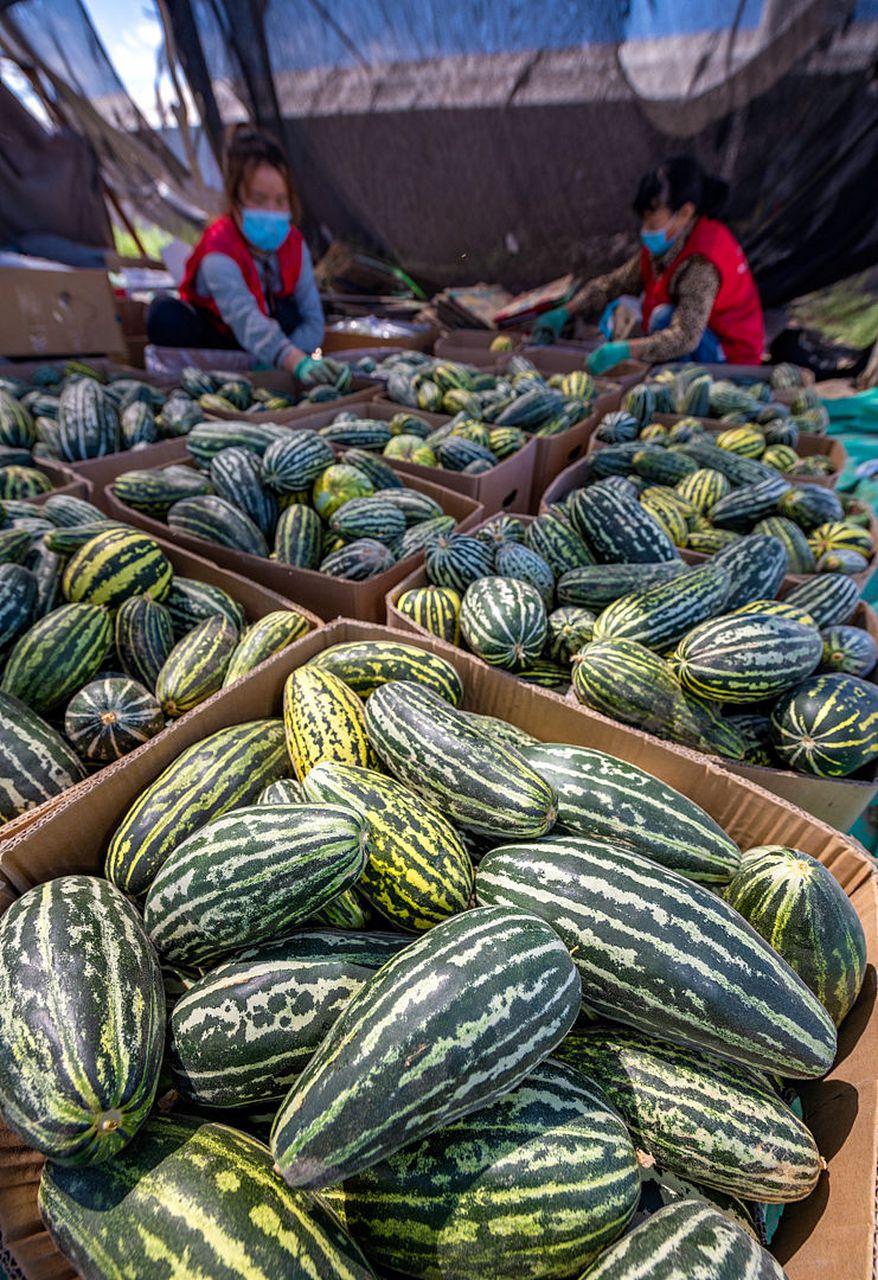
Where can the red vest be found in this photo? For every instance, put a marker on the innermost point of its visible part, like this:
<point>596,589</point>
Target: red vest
<point>223,236</point>
<point>736,318</point>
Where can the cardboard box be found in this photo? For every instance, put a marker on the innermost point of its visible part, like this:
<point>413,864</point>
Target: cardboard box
<point>506,487</point>
<point>53,310</point>
<point>463,345</point>
<point>831,1233</point>
<point>98,473</point>
<point>732,371</point>
<point>328,597</point>
<point>838,801</point>
<point>257,602</point>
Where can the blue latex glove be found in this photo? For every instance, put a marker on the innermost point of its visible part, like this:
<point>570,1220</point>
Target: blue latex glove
<point>310,372</point>
<point>607,357</point>
<point>549,325</point>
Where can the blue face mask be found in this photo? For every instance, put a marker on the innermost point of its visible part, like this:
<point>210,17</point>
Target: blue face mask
<point>657,242</point>
<point>265,229</point>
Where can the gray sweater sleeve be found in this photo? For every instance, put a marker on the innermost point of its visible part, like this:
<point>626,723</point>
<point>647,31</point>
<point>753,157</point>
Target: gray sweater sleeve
<point>308,333</point>
<point>220,277</point>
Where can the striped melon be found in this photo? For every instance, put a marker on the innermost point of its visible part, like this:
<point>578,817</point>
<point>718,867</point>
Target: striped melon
<point>609,799</point>
<point>716,1122</point>
<point>849,650</point>
<point>273,632</point>
<point>323,720</point>
<point>400,1064</point>
<point>704,488</point>
<point>144,638</point>
<point>418,872</point>
<point>447,761</point>
<point>248,1028</point>
<point>236,476</point>
<point>108,718</point>
<point>215,520</point>
<point>365,665</point>
<point>617,529</point>
<point>190,602</point>
<point>58,655</point>
<point>742,658</point>
<point>155,492</point>
<point>661,615</point>
<point>221,772</point>
<point>115,565</point>
<point>567,630</point>
<point>801,909</point>
<point>686,1240</point>
<point>501,528</point>
<point>359,560</point>
<point>830,599</point>
<point>810,505</point>
<point>371,950</point>
<point>595,586</point>
<point>434,609</point>
<point>625,680</point>
<point>757,564</point>
<point>240,1221</point>
<point>249,875</point>
<point>549,1160</point>
<point>196,666</point>
<point>782,608</point>
<point>368,518</point>
<point>827,725</point>
<point>515,561</point>
<point>18,598</point>
<point>687,967</point>
<point>81,1019</point>
<point>293,462</point>
<point>88,423</point>
<point>284,791</point>
<point>456,559</point>
<point>298,537</point>
<point>36,763</point>
<point>838,535</point>
<point>800,556</point>
<point>503,620</point>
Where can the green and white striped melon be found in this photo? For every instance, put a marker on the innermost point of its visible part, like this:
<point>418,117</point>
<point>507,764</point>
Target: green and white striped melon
<point>728,992</point>
<point>494,992</point>
<point>108,718</point>
<point>144,638</point>
<point>196,666</point>
<point>81,1020</point>
<point>798,906</point>
<point>58,655</point>
<point>715,1122</point>
<point>365,665</point>
<point>36,763</point>
<point>504,621</point>
<point>849,650</point>
<point>549,1160</point>
<point>685,1240</point>
<point>249,875</point>
<point>743,658</point>
<point>223,771</point>
<point>440,755</point>
<point>240,1221</point>
<point>245,1031</point>
<point>605,798</point>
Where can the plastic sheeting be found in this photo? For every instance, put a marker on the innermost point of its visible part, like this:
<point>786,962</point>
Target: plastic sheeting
<point>474,138</point>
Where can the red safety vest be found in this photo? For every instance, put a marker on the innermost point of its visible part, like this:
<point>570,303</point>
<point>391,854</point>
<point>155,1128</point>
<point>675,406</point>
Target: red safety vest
<point>736,318</point>
<point>223,236</point>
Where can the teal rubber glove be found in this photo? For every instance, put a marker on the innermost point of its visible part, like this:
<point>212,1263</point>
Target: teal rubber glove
<point>310,372</point>
<point>549,325</point>
<point>607,357</point>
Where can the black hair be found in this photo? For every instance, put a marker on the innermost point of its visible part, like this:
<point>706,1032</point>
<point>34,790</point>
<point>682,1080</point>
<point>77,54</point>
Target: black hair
<point>676,181</point>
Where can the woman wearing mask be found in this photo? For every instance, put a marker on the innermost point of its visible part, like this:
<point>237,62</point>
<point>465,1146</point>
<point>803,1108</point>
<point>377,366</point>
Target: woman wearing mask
<point>249,282</point>
<point>690,280</point>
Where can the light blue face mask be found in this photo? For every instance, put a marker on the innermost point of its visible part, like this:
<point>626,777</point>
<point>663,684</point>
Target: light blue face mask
<point>657,242</point>
<point>265,229</point>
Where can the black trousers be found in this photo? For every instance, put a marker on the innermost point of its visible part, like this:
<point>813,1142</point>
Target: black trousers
<point>170,322</point>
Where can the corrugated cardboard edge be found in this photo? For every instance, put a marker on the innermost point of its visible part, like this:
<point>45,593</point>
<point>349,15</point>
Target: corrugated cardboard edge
<point>257,601</point>
<point>833,1232</point>
<point>328,597</point>
<point>838,801</point>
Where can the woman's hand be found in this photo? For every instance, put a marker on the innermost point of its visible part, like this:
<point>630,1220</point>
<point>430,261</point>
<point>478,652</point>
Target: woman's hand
<point>293,359</point>
<point>607,356</point>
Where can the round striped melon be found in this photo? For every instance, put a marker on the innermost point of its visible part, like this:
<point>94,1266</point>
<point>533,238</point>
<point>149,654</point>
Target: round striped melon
<point>828,725</point>
<point>110,717</point>
<point>457,559</point>
<point>504,621</point>
<point>850,650</point>
<point>115,565</point>
<point>838,535</point>
<point>798,906</point>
